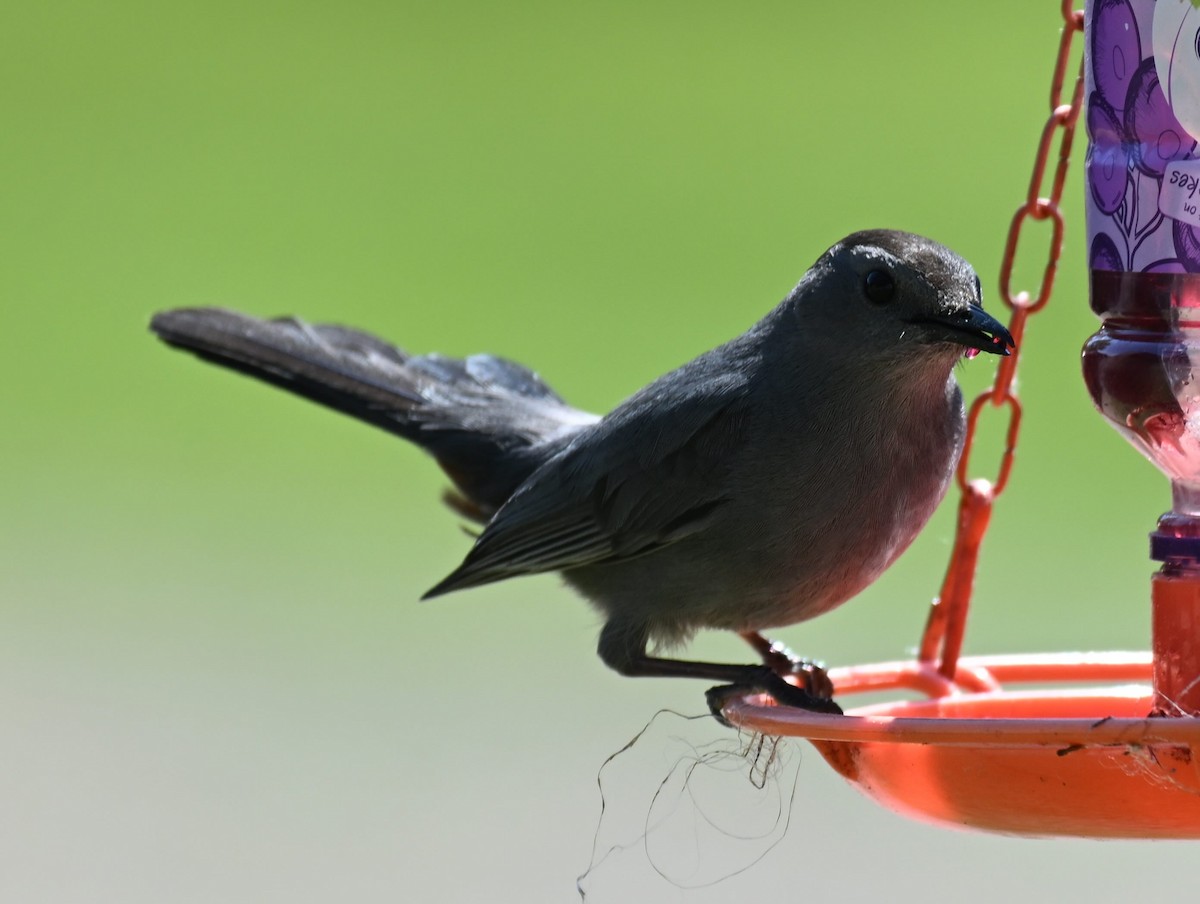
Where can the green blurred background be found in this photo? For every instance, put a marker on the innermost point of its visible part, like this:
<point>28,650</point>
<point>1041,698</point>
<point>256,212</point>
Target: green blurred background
<point>216,682</point>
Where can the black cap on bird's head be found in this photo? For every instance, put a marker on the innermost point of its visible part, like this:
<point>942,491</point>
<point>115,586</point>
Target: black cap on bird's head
<point>893,291</point>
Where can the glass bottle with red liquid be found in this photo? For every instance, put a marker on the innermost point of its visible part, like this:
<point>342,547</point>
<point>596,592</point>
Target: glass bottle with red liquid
<point>1142,66</point>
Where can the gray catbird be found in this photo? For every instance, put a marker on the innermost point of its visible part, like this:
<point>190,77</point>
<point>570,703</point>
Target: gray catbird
<point>761,484</point>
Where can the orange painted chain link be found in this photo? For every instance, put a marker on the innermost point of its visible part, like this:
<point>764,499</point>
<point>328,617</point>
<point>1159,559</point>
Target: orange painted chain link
<point>948,616</point>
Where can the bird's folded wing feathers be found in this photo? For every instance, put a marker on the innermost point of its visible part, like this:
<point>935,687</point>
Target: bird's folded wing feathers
<point>640,480</point>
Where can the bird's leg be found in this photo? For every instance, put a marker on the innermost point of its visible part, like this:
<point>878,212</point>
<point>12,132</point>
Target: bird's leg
<point>783,661</point>
<point>623,648</point>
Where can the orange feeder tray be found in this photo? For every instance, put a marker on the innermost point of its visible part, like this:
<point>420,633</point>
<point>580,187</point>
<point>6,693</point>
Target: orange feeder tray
<point>1078,762</point>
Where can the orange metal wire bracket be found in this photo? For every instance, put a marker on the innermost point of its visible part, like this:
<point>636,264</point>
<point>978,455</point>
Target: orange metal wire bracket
<point>947,618</point>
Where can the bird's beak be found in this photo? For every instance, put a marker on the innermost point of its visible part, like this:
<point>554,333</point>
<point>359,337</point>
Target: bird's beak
<point>972,326</point>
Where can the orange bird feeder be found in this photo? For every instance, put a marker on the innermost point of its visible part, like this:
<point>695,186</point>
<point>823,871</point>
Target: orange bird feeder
<point>1117,753</point>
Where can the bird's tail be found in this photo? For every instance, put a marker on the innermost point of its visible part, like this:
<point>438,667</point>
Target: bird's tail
<point>488,422</point>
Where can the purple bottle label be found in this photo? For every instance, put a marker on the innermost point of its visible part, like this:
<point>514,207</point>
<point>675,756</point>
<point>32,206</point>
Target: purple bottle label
<point>1142,65</point>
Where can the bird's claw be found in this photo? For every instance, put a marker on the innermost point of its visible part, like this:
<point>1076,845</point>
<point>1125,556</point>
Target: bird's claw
<point>782,661</point>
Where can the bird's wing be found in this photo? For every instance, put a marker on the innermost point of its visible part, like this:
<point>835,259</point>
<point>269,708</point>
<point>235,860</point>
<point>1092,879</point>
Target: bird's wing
<point>651,473</point>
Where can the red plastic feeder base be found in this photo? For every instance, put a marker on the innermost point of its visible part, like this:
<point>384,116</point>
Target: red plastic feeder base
<point>1087,762</point>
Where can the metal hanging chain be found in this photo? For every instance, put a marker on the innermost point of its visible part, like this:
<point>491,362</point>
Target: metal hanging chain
<point>948,615</point>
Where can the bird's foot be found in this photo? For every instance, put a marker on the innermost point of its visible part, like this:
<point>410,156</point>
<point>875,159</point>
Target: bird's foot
<point>766,680</point>
<point>782,661</point>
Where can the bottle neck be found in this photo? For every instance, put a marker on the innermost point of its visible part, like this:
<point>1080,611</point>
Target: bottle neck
<point>1166,299</point>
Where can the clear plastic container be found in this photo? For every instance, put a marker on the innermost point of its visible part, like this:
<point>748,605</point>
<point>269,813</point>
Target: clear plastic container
<point>1142,65</point>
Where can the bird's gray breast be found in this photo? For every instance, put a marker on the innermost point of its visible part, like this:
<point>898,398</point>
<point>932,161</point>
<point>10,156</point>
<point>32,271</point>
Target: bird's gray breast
<point>817,515</point>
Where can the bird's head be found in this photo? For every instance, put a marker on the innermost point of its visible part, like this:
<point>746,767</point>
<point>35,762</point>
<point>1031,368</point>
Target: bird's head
<point>896,296</point>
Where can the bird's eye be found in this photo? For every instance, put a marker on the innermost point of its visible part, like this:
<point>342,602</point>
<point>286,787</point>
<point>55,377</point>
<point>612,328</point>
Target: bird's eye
<point>978,289</point>
<point>879,286</point>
